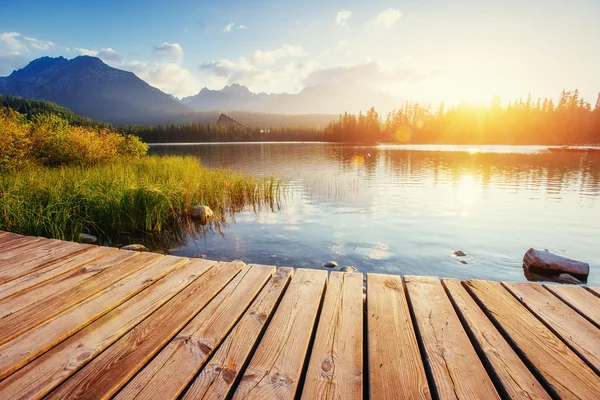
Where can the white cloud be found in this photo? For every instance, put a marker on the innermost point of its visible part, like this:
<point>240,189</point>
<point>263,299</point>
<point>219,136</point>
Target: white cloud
<point>106,54</point>
<point>386,19</point>
<point>10,41</point>
<point>269,57</point>
<point>232,26</point>
<point>168,77</point>
<point>39,44</point>
<point>342,17</point>
<point>241,27</point>
<point>228,27</point>
<point>169,52</point>
<point>268,70</point>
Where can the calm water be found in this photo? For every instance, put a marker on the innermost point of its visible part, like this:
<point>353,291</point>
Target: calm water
<point>404,210</point>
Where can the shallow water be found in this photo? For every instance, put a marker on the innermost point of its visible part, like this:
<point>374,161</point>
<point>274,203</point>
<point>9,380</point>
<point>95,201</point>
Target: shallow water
<point>405,209</point>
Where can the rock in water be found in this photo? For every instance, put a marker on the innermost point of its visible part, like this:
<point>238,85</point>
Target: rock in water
<point>203,213</point>
<point>463,261</point>
<point>330,264</point>
<point>135,247</point>
<point>459,253</point>
<point>86,238</point>
<point>349,268</point>
<point>541,265</point>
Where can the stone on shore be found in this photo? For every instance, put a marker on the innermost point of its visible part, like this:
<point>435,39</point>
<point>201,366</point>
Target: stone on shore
<point>87,238</point>
<point>203,213</point>
<point>540,265</point>
<point>135,247</point>
<point>349,268</point>
<point>330,264</point>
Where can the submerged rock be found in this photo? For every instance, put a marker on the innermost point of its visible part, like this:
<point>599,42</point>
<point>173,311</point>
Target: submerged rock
<point>330,264</point>
<point>349,268</point>
<point>203,213</point>
<point>200,255</point>
<point>463,261</point>
<point>541,265</point>
<point>135,247</point>
<point>459,253</point>
<point>87,238</point>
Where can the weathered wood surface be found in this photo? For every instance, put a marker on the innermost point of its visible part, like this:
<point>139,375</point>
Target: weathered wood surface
<point>275,368</point>
<point>217,378</point>
<point>98,323</point>
<point>457,370</point>
<point>114,367</point>
<point>395,367</point>
<point>583,301</point>
<point>335,369</point>
<point>564,372</point>
<point>46,372</point>
<point>576,331</point>
<point>516,381</point>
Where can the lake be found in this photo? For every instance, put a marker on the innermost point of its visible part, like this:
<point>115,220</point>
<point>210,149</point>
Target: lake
<point>405,209</point>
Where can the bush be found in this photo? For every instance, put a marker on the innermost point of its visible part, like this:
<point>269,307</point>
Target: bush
<point>50,140</point>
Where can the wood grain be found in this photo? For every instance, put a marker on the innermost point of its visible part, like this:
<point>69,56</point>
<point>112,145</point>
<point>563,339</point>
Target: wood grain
<point>335,369</point>
<point>593,290</point>
<point>395,367</point>
<point>168,374</point>
<point>274,370</point>
<point>43,374</point>
<point>216,379</point>
<point>59,285</point>
<point>27,263</point>
<point>562,371</point>
<point>110,370</point>
<point>29,317</point>
<point>24,246</point>
<point>579,299</point>
<point>456,368</point>
<point>570,326</point>
<point>514,376</point>
<point>52,271</point>
<point>32,343</point>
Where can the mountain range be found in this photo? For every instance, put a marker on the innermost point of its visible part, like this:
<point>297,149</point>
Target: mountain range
<point>89,87</point>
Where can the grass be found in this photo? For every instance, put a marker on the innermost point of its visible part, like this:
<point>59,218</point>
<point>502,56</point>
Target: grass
<point>150,194</point>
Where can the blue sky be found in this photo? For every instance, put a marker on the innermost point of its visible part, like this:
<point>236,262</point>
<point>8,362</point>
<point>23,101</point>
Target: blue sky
<point>425,50</point>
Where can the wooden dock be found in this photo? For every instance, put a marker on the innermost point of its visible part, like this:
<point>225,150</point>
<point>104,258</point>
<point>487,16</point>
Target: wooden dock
<point>81,321</point>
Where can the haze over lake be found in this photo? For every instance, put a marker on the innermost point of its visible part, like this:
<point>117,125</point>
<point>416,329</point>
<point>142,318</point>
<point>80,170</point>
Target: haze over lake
<point>405,209</point>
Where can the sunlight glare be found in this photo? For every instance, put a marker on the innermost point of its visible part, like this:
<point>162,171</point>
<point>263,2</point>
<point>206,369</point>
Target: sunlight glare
<point>468,190</point>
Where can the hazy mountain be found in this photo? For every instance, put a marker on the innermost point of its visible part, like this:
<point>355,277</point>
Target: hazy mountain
<point>321,99</point>
<point>91,88</point>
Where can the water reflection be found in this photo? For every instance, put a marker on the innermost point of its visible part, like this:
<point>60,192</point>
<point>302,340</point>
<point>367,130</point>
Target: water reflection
<point>387,209</point>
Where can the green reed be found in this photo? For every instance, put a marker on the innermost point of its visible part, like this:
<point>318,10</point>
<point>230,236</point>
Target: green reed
<point>151,194</point>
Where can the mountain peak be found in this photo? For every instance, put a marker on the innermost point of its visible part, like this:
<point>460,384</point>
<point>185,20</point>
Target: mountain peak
<point>235,88</point>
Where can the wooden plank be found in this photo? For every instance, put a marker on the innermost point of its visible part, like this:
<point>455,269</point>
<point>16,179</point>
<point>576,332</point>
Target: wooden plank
<point>335,369</point>
<point>514,377</point>
<point>61,284</point>
<point>576,331</point>
<point>168,374</point>
<point>27,263</point>
<point>579,299</point>
<point>563,373</point>
<point>27,318</point>
<point>43,374</point>
<point>25,245</point>
<point>217,378</point>
<point>110,370</point>
<point>395,367</point>
<point>274,370</point>
<point>10,241</point>
<point>52,271</point>
<point>593,290</point>
<point>32,343</point>
<point>455,366</point>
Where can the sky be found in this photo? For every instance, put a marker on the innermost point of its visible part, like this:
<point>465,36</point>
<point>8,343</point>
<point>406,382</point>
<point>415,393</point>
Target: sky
<point>420,50</point>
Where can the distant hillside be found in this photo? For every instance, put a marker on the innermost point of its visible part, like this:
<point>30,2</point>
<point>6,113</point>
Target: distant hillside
<point>91,88</point>
<point>32,108</point>
<point>319,99</point>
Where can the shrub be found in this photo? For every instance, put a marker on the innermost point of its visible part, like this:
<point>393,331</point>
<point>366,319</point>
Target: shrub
<point>14,139</point>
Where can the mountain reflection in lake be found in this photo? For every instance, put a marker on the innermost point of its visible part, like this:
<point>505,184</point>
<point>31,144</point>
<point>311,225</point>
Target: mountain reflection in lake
<point>404,210</point>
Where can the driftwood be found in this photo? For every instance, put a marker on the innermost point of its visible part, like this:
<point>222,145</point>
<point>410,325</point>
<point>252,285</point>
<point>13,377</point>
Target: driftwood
<point>541,265</point>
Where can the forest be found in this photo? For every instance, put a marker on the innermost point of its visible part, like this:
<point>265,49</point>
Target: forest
<point>571,120</point>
